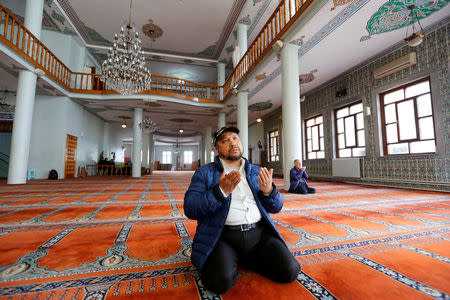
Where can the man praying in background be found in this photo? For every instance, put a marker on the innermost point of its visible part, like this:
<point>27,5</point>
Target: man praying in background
<point>298,178</point>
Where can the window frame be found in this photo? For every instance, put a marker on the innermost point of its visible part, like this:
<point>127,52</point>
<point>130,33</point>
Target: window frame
<point>385,143</point>
<point>274,157</point>
<point>186,161</point>
<point>323,136</point>
<point>169,154</point>
<point>336,133</point>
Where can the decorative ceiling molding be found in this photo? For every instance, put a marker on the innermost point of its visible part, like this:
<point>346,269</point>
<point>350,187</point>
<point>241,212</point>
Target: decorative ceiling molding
<point>229,24</point>
<point>152,30</point>
<point>260,106</point>
<point>339,3</point>
<point>260,77</point>
<point>308,77</point>
<point>211,53</point>
<point>334,23</point>
<point>395,14</point>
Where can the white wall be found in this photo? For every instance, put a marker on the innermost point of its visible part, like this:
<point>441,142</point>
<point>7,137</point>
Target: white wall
<point>66,49</point>
<point>48,142</point>
<point>53,119</point>
<point>117,135</point>
<point>255,134</point>
<point>89,130</point>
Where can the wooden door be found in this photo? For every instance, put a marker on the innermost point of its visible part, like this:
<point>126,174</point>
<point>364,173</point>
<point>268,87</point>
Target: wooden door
<point>71,154</point>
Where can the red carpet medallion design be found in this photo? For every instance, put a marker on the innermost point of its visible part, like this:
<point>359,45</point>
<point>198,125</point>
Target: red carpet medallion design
<point>125,238</point>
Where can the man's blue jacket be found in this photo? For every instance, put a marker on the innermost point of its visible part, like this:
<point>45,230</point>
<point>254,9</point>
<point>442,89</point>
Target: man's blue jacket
<point>205,203</point>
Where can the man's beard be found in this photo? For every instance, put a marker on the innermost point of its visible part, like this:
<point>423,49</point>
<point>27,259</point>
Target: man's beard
<point>231,158</point>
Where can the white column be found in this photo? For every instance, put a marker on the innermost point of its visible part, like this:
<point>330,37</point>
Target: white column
<point>242,39</point>
<point>208,142</point>
<point>151,151</point>
<point>221,77</point>
<point>145,146</point>
<point>137,142</point>
<point>221,120</point>
<point>290,109</point>
<point>202,151</point>
<point>242,120</point>
<point>23,114</point>
<point>106,143</point>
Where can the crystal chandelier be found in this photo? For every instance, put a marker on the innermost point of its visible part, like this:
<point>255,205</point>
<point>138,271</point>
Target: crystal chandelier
<point>124,70</point>
<point>148,125</point>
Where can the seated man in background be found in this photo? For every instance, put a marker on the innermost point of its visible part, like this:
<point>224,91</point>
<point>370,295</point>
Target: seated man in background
<point>298,177</point>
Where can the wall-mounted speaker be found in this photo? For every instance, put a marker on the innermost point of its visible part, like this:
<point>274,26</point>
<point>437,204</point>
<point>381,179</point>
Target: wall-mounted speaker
<point>341,93</point>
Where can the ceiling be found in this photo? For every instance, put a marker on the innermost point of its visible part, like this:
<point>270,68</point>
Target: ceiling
<point>196,34</point>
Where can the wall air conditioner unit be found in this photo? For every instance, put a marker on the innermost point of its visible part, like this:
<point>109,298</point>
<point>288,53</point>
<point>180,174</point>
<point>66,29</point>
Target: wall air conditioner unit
<point>395,66</point>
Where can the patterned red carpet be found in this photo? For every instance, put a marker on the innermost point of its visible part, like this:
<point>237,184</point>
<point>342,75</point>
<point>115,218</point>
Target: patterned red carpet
<point>119,238</point>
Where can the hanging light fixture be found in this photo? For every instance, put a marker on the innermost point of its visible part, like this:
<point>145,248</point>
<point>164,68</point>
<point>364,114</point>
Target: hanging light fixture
<point>124,122</point>
<point>147,125</point>
<point>259,120</point>
<point>124,70</point>
<point>416,38</point>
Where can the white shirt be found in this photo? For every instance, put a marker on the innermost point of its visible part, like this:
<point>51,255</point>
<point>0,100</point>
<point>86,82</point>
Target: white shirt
<point>243,208</point>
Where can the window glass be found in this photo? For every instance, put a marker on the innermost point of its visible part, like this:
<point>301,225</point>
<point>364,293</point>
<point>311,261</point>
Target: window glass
<point>417,89</point>
<point>391,133</point>
<point>340,125</point>
<point>426,128</point>
<point>314,137</point>
<point>424,106</point>
<point>342,112</point>
<point>361,141</point>
<point>356,108</point>
<point>358,152</point>
<point>167,157</point>
<point>310,122</point>
<point>359,121</point>
<point>398,148</point>
<point>345,153</point>
<point>273,146</point>
<point>187,157</point>
<point>350,131</point>
<point>406,120</point>
<point>389,113</point>
<point>423,146</point>
<point>394,96</point>
<point>341,141</point>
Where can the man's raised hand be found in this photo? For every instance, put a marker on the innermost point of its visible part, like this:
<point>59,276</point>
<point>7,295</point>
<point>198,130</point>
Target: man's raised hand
<point>228,182</point>
<point>265,180</point>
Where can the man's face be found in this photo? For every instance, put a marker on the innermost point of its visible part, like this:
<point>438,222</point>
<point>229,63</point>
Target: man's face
<point>297,164</point>
<point>229,147</point>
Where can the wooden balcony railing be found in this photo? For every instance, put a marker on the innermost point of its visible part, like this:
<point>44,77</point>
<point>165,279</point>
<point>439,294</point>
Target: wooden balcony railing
<point>286,13</point>
<point>22,41</point>
<point>15,35</point>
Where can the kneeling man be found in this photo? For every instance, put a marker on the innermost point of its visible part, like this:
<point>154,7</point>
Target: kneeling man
<point>298,177</point>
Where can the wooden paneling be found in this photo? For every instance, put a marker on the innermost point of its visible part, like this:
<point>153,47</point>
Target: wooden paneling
<point>71,154</point>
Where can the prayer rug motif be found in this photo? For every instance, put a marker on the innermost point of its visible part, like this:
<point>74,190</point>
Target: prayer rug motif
<point>99,238</point>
